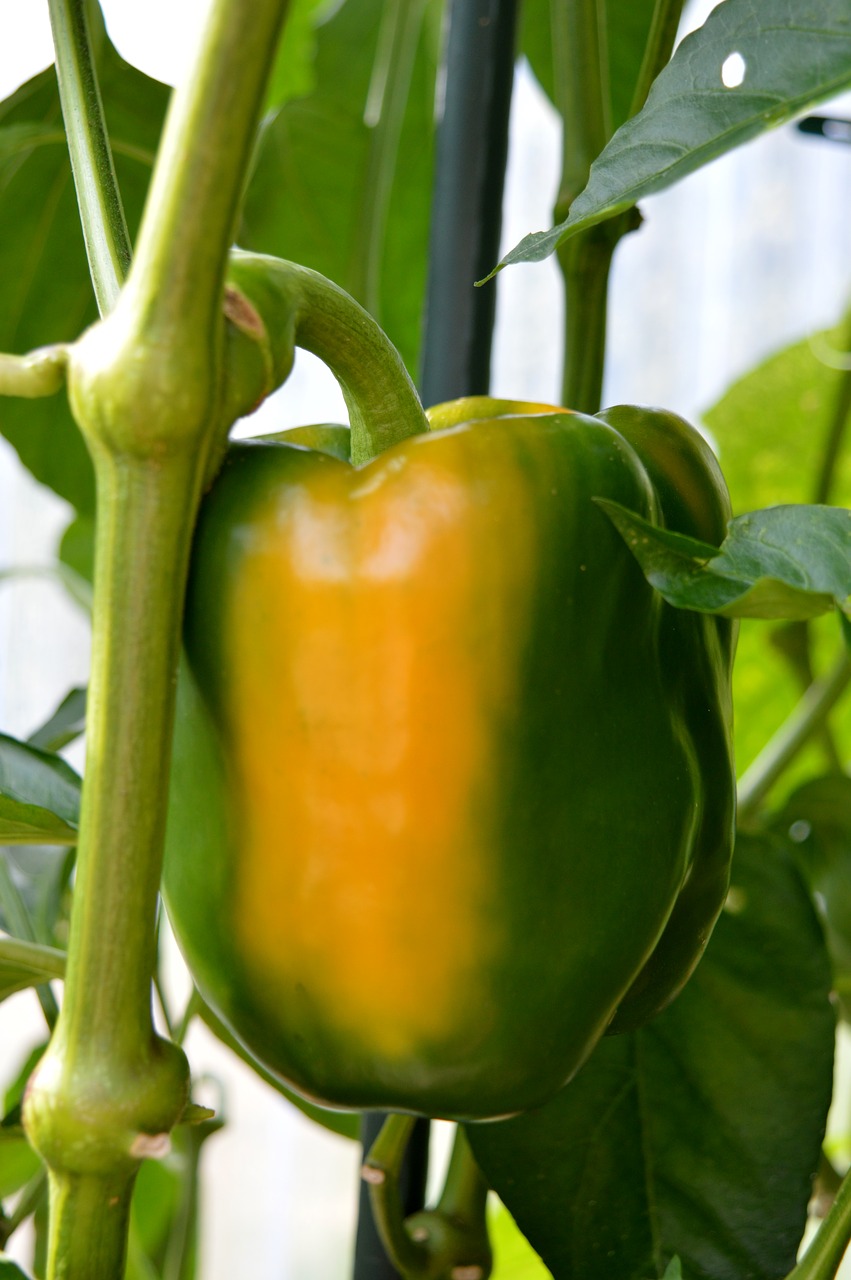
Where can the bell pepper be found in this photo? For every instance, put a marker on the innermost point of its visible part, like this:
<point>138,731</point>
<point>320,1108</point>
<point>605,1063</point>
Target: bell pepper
<point>452,790</point>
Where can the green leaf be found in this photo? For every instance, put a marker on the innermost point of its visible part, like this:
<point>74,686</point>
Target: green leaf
<point>668,1142</point>
<point>794,55</point>
<point>14,1095</point>
<point>18,1163</point>
<point>514,1258</point>
<point>771,426</point>
<point>816,820</point>
<point>10,1270</point>
<point>67,723</point>
<point>47,295</point>
<point>27,964</point>
<point>39,796</point>
<point>771,429</point>
<point>313,196</point>
<point>294,74</point>
<point>784,562</point>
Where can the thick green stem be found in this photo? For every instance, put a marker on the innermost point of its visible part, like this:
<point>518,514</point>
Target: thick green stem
<point>145,388</point>
<point>580,69</point>
<point>585,262</point>
<point>175,286</point>
<point>101,212</point>
<point>822,1259</point>
<point>806,719</point>
<point>88,1228</point>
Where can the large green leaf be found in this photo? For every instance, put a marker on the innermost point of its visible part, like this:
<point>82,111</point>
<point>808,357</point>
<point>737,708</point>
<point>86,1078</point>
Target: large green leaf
<point>27,964</point>
<point>792,53</point>
<point>772,428</point>
<point>39,796</point>
<point>46,292</point>
<point>315,196</point>
<point>668,1141</point>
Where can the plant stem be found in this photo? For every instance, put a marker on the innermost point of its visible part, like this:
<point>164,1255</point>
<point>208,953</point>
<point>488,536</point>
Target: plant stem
<point>175,284</point>
<point>580,71</point>
<point>101,212</point>
<point>585,262</point>
<point>806,719</point>
<point>144,386</point>
<point>88,1227</point>
<point>822,1259</point>
<point>381,1172</point>
<point>38,373</point>
<point>836,430</point>
<point>657,52</point>
<point>299,307</point>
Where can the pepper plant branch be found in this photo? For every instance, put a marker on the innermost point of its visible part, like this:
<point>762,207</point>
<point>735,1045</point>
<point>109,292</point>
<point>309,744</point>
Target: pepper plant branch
<point>827,1249</point>
<point>38,373</point>
<point>660,43</point>
<point>174,291</point>
<point>101,212</point>
<point>806,719</point>
<point>580,73</point>
<point>144,387</point>
<point>381,1171</point>
<point>581,78</point>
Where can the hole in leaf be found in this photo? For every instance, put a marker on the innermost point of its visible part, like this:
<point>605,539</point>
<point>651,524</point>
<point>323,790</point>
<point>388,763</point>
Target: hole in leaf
<point>733,71</point>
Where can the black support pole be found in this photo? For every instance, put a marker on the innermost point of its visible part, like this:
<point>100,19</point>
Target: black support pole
<point>466,219</point>
<point>472,146</point>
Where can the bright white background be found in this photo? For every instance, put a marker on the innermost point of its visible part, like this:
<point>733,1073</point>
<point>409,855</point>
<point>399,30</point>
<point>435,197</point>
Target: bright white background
<point>741,259</point>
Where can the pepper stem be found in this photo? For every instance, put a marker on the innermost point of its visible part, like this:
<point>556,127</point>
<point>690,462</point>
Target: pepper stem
<point>299,307</point>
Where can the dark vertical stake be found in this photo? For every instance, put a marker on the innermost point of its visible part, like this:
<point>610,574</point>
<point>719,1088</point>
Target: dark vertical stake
<point>466,219</point>
<point>472,146</point>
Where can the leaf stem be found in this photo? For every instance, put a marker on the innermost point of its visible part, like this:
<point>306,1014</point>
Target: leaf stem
<point>822,1259</point>
<point>101,212</point>
<point>38,373</point>
<point>657,52</point>
<point>25,943</point>
<point>806,719</point>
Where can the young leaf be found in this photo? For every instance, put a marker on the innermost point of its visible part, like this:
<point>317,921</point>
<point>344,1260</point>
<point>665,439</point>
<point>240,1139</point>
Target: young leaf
<point>39,796</point>
<point>10,1270</point>
<point>667,1143</point>
<point>67,723</point>
<point>751,66</point>
<point>27,964</point>
<point>47,294</point>
<point>784,562</point>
